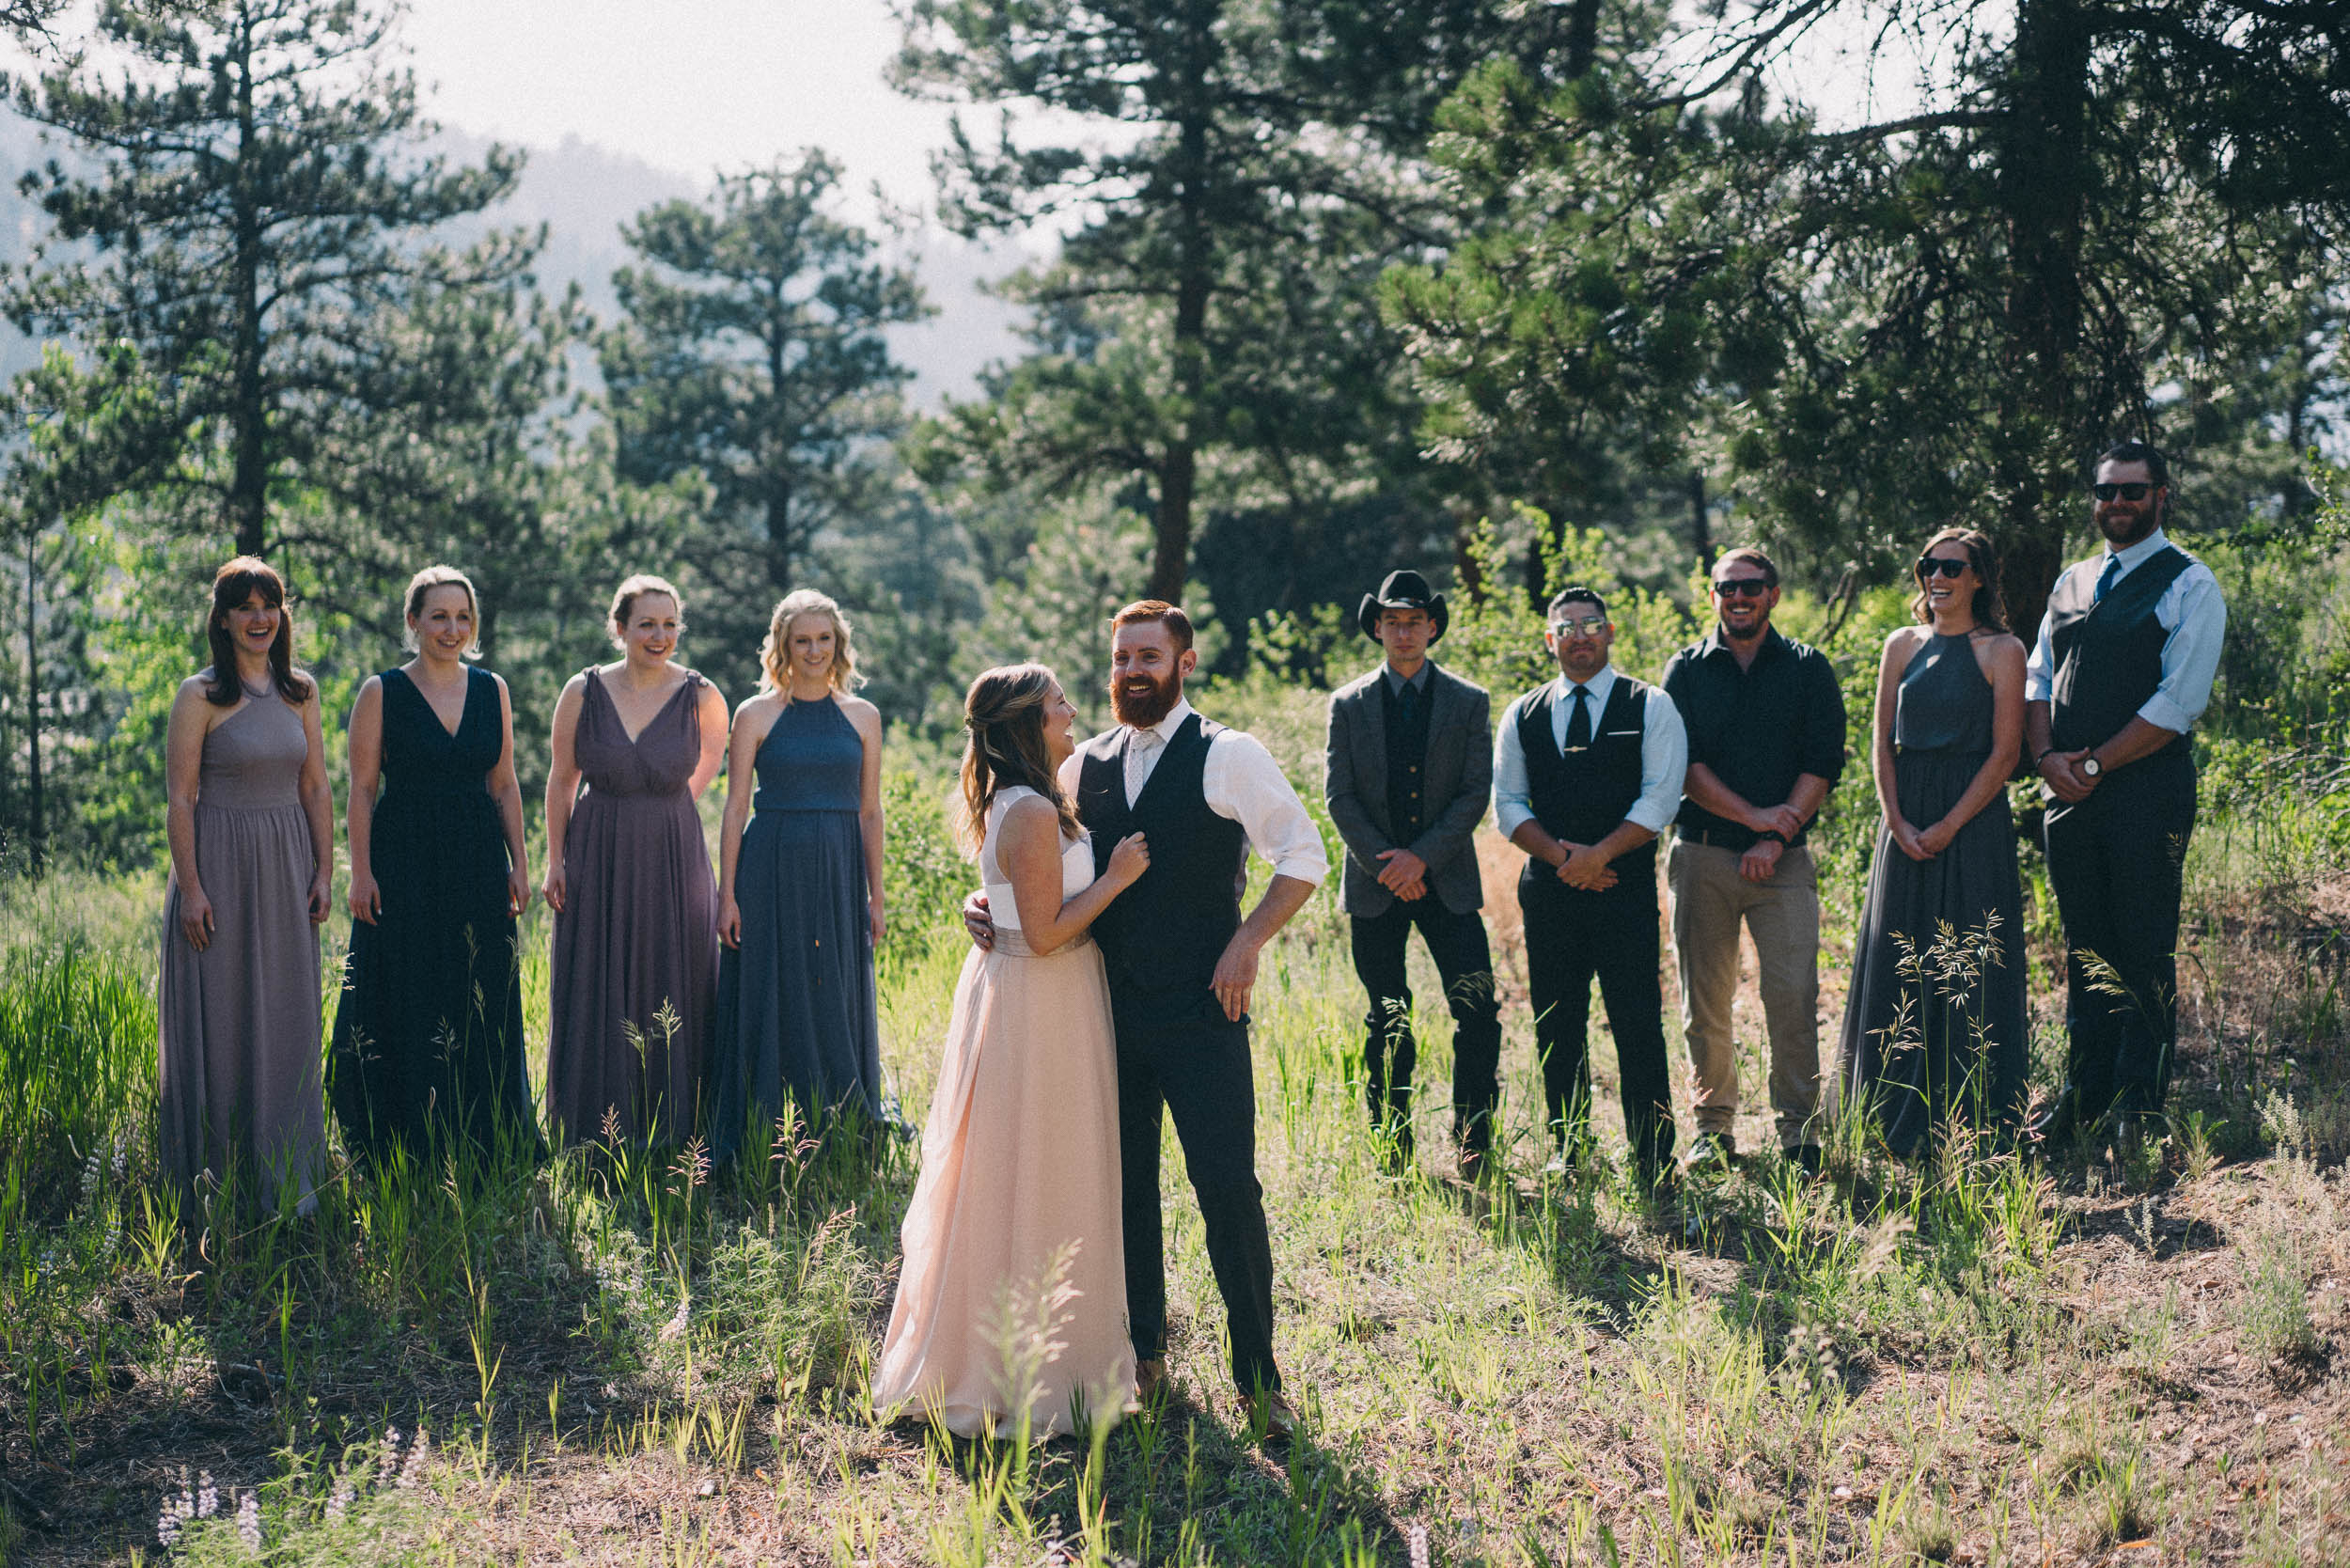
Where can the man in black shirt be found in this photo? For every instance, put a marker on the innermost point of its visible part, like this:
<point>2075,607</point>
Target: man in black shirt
<point>1767,743</point>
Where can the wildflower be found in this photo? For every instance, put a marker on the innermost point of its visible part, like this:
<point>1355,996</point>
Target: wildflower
<point>388,1462</point>
<point>418,1451</point>
<point>89,1179</point>
<point>121,1152</point>
<point>346,1493</point>
<point>178,1508</point>
<point>249,1522</point>
<point>676,1326</point>
<point>1417,1543</point>
<point>207,1496</point>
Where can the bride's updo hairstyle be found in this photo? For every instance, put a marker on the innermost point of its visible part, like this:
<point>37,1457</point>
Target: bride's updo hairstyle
<point>1003,722</point>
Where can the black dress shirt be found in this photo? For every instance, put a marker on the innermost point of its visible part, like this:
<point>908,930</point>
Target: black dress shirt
<point>1758,728</point>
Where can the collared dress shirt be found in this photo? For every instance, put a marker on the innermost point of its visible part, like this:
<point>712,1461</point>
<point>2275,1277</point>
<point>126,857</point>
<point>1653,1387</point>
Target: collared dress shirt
<point>1664,754</point>
<point>1242,784</point>
<point>1416,681</point>
<point>1759,728</point>
<point>2190,611</point>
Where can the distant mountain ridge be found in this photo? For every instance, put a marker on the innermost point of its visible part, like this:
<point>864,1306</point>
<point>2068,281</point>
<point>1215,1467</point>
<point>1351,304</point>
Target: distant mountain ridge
<point>583,193</point>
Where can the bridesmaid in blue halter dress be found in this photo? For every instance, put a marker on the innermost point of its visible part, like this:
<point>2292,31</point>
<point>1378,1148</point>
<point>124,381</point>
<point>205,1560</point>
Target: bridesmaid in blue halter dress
<point>1931,1034</point>
<point>799,889</point>
<point>428,1038</point>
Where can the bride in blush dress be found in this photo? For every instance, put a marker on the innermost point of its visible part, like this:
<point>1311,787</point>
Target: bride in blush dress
<point>1011,1310</point>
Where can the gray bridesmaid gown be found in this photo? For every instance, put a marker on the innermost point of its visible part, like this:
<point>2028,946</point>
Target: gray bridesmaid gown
<point>239,1073</point>
<point>1917,1044</point>
<point>639,928</point>
<point>795,1001</point>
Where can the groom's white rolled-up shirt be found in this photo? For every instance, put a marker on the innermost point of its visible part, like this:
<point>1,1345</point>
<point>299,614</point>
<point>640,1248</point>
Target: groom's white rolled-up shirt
<point>1242,784</point>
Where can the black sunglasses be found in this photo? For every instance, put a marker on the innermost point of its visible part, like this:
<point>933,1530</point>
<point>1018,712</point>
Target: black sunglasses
<point>2128,492</point>
<point>1742,588</point>
<point>1929,567</point>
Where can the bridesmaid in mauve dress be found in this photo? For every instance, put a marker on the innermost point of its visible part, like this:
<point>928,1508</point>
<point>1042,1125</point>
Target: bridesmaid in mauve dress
<point>1014,1242</point>
<point>1929,1034</point>
<point>799,886</point>
<point>251,825</point>
<point>628,877</point>
<point>428,1038</point>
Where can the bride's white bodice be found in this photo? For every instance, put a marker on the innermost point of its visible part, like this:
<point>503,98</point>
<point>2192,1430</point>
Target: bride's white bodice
<point>1076,862</point>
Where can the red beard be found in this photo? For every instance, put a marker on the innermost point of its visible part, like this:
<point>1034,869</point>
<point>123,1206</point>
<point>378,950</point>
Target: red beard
<point>1144,709</point>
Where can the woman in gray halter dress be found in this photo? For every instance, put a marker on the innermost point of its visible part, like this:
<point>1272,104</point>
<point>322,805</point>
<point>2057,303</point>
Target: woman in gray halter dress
<point>1936,1023</point>
<point>251,825</point>
<point>634,966</point>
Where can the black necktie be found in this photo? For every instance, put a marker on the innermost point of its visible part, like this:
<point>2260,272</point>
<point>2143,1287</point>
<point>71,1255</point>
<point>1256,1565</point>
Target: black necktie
<point>1579,726</point>
<point>1406,704</point>
<point>2105,579</point>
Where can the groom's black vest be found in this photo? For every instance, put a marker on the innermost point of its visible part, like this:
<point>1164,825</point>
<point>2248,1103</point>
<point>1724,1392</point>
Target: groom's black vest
<point>1161,937</point>
<point>2108,655</point>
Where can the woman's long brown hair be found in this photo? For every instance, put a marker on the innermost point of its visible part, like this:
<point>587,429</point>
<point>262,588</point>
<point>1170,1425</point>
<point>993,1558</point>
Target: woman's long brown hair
<point>1003,721</point>
<point>235,583</point>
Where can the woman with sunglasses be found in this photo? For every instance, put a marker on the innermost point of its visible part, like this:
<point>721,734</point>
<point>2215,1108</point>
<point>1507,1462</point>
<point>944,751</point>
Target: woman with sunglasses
<point>1936,1024</point>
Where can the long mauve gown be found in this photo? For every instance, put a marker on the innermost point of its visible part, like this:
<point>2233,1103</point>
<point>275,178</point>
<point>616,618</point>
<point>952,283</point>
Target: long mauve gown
<point>1934,1026</point>
<point>239,1072</point>
<point>1012,1294</point>
<point>639,928</point>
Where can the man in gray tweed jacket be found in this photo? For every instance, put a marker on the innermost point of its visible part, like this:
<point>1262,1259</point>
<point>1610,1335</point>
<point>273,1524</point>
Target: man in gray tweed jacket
<point>1410,765</point>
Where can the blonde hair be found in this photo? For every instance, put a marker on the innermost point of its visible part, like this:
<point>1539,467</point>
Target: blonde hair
<point>425,581</point>
<point>1003,722</point>
<point>775,656</point>
<point>624,600</point>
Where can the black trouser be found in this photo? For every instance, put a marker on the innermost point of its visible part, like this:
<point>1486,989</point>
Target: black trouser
<point>1456,940</point>
<point>1573,936</point>
<point>1197,1066</point>
<point>2115,861</point>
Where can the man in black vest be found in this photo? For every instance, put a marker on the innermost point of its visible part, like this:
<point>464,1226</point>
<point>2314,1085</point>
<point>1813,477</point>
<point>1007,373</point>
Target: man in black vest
<point>2122,670</point>
<point>1587,770</point>
<point>1408,769</point>
<point>1181,963</point>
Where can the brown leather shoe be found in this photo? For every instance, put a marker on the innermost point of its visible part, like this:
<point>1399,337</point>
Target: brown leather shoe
<point>1149,1380</point>
<point>1269,1417</point>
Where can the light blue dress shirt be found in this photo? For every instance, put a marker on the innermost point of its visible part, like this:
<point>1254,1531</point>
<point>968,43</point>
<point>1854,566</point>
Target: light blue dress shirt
<point>2190,611</point>
<point>1663,753</point>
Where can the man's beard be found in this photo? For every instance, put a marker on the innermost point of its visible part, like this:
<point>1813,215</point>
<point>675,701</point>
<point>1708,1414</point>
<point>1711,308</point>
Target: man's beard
<point>1144,709</point>
<point>2143,522</point>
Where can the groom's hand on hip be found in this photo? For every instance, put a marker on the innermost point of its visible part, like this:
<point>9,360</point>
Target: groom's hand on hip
<point>979,922</point>
<point>1235,975</point>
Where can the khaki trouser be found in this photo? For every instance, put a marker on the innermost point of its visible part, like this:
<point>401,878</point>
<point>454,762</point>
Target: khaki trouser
<point>1710,898</point>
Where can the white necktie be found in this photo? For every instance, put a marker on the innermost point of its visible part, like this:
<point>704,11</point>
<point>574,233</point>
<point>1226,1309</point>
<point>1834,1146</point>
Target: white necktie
<point>1141,757</point>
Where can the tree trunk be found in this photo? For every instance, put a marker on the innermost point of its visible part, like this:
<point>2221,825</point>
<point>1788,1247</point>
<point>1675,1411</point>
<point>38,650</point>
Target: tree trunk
<point>1700,527</point>
<point>1170,557</point>
<point>779,534</point>
<point>2043,172</point>
<point>249,417</point>
<point>35,833</point>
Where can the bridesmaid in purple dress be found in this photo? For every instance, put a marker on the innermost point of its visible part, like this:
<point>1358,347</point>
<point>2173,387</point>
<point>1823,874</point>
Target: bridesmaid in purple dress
<point>628,877</point>
<point>251,823</point>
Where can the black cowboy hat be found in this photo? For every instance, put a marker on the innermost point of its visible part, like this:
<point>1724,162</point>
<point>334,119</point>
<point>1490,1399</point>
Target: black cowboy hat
<point>1403,591</point>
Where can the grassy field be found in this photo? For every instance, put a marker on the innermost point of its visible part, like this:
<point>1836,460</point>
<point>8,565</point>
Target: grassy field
<point>2128,1357</point>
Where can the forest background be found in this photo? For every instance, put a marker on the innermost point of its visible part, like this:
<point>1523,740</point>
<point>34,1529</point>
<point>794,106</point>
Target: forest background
<point>1317,289</point>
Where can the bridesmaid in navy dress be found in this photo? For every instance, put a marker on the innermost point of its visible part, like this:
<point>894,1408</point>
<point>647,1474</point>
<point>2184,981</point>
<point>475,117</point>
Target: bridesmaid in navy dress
<point>428,1038</point>
<point>799,886</point>
<point>1936,1029</point>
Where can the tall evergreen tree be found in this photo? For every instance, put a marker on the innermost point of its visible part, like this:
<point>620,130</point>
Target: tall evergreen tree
<point>253,207</point>
<point>1240,171</point>
<point>755,350</point>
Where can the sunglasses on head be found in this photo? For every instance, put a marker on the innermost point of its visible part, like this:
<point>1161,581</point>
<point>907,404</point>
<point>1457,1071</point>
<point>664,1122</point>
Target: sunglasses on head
<point>1742,588</point>
<point>1929,567</point>
<point>2127,491</point>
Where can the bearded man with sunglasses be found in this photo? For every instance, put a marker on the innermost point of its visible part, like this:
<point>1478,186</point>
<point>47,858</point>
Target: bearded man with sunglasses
<point>1766,743</point>
<point>2122,670</point>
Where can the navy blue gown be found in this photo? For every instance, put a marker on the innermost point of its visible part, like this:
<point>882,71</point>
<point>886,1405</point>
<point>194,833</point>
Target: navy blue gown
<point>795,1001</point>
<point>429,1036</point>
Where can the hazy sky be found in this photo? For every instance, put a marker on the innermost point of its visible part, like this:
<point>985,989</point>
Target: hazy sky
<point>693,85</point>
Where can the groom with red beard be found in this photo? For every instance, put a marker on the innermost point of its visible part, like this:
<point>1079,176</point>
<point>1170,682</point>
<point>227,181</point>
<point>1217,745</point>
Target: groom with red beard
<point>1181,963</point>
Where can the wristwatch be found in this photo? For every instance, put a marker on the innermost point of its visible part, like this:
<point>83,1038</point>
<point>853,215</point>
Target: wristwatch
<point>2091,767</point>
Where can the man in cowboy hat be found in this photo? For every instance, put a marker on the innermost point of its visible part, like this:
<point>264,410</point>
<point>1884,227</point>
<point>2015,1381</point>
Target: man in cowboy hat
<point>1410,764</point>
